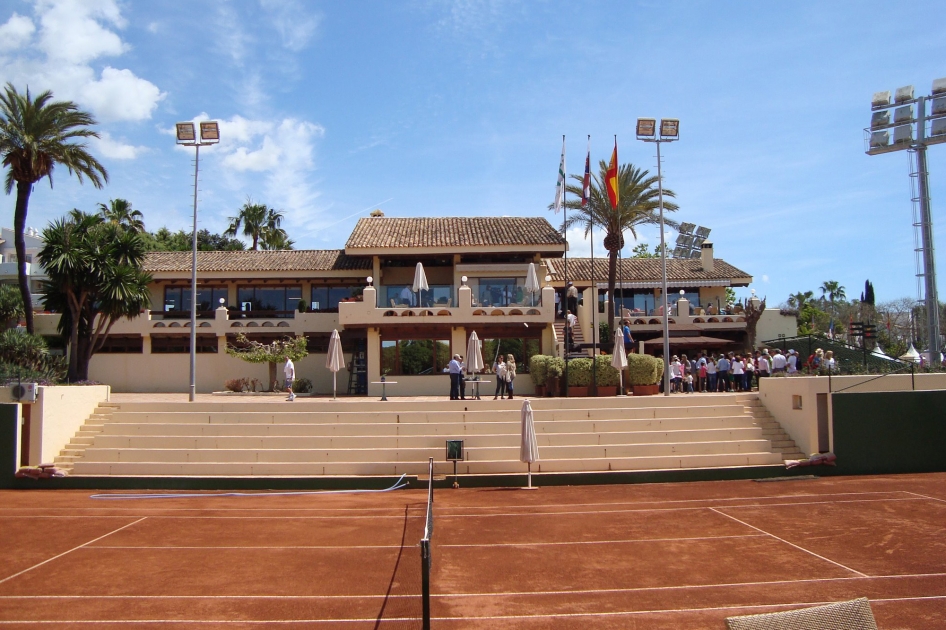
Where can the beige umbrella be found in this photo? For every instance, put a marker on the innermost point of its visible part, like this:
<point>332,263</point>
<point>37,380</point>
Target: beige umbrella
<point>420,281</point>
<point>528,449</point>
<point>335,359</point>
<point>532,282</point>
<point>619,359</point>
<point>474,354</point>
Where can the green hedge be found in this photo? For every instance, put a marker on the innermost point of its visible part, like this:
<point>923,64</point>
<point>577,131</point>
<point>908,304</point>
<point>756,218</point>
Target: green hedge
<point>556,367</point>
<point>644,369</point>
<point>579,372</point>
<point>538,368</point>
<point>605,374</point>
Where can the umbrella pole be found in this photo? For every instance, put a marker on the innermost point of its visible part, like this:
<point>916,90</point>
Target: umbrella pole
<point>334,386</point>
<point>530,474</point>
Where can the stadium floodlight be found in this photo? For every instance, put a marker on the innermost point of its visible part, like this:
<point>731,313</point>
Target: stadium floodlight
<point>687,228</point>
<point>669,132</point>
<point>915,127</point>
<point>703,232</point>
<point>681,239</point>
<point>186,133</point>
<point>646,127</point>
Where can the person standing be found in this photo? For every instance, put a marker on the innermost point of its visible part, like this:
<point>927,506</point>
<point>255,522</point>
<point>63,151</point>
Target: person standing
<point>738,374</point>
<point>454,369</point>
<point>779,363</point>
<point>510,374</point>
<point>722,373</point>
<point>462,378</point>
<point>711,374</point>
<point>570,322</point>
<point>792,361</point>
<point>571,295</point>
<point>499,369</point>
<point>628,339</point>
<point>289,371</point>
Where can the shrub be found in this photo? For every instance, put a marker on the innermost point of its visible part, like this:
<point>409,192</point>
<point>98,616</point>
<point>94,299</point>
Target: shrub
<point>556,367</point>
<point>25,354</point>
<point>237,384</point>
<point>538,368</point>
<point>302,386</point>
<point>579,373</point>
<point>605,374</point>
<point>644,369</point>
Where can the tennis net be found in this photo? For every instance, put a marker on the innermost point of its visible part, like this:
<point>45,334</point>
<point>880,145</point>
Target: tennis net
<point>425,558</point>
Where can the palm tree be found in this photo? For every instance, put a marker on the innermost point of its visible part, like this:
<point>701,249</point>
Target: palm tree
<point>256,219</point>
<point>638,205</point>
<point>35,135</point>
<point>120,212</point>
<point>800,299</point>
<point>833,290</point>
<point>276,239</point>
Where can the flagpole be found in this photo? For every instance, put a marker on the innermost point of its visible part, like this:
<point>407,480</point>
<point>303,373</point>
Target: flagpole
<point>565,236</point>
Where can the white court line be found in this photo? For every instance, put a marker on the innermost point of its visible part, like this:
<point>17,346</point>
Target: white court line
<point>71,550</point>
<point>248,547</point>
<point>917,494</point>
<point>618,613</point>
<point>800,548</point>
<point>593,591</point>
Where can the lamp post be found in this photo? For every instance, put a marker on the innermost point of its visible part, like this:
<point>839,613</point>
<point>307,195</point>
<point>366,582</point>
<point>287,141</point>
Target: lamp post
<point>914,130</point>
<point>669,131</point>
<point>209,134</point>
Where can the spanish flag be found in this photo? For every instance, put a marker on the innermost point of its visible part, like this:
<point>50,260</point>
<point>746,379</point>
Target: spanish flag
<point>612,176</point>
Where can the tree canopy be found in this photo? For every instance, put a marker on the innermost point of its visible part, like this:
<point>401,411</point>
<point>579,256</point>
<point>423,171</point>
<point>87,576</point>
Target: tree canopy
<point>260,223</point>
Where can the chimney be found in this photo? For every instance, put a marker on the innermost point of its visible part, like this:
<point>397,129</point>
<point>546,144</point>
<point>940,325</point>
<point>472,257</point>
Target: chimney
<point>706,256</point>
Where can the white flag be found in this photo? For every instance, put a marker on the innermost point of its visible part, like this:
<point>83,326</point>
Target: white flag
<point>560,185</point>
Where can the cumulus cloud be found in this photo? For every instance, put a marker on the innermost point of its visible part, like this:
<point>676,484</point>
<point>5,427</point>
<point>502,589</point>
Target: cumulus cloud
<point>109,147</point>
<point>73,34</point>
<point>16,32</point>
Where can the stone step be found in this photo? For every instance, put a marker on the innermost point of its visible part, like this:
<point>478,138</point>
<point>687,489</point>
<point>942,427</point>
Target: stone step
<point>420,441</point>
<point>229,469</point>
<point>407,454</point>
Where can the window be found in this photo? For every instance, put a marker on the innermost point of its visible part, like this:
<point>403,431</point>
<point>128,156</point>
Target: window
<point>177,300</point>
<point>641,300</point>
<point>438,295</point>
<point>414,357</point>
<point>123,344</point>
<point>520,348</point>
<point>693,295</point>
<point>181,344</point>
<point>272,301</point>
<point>326,299</point>
<point>501,291</point>
<point>317,342</point>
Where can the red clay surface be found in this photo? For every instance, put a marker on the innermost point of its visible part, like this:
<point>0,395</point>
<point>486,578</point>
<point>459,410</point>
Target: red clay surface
<point>659,556</point>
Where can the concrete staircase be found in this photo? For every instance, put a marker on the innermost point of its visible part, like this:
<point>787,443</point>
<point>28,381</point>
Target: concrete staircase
<point>368,437</point>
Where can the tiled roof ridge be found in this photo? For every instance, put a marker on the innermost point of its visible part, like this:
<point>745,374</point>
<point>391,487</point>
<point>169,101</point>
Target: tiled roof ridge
<point>405,232</point>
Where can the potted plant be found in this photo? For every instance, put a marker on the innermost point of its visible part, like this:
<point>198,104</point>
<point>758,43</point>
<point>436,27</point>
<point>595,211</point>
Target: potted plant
<point>644,373</point>
<point>538,371</point>
<point>556,367</point>
<point>606,376</point>
<point>579,377</point>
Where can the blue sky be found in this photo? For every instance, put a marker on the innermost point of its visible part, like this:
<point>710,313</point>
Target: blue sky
<point>438,108</point>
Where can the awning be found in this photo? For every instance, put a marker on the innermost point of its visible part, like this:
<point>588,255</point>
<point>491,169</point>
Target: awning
<point>671,283</point>
<point>691,341</point>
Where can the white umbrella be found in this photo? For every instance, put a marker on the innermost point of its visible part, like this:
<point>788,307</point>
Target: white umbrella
<point>420,281</point>
<point>532,282</point>
<point>528,449</point>
<point>335,360</point>
<point>911,355</point>
<point>619,359</point>
<point>474,354</point>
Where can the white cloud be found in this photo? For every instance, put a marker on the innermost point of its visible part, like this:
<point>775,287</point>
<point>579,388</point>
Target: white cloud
<point>291,22</point>
<point>765,278</point>
<point>16,32</point>
<point>72,34</point>
<point>115,149</point>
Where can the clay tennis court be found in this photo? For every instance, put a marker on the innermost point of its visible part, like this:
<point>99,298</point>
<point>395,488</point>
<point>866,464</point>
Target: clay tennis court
<point>683,555</point>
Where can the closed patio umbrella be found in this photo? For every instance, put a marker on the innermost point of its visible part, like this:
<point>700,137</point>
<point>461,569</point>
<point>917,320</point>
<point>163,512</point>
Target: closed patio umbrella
<point>528,449</point>
<point>420,281</point>
<point>474,354</point>
<point>619,358</point>
<point>532,282</point>
<point>335,360</point>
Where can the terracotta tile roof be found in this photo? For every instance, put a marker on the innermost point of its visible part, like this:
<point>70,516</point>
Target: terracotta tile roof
<point>452,232</point>
<point>249,260</point>
<point>644,269</point>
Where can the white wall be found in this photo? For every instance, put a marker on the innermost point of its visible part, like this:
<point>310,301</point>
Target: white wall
<point>773,325</point>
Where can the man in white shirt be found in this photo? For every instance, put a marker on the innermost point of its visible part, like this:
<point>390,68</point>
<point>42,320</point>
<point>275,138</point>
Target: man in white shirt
<point>792,361</point>
<point>456,373</point>
<point>570,322</point>
<point>779,362</point>
<point>407,296</point>
<point>290,373</point>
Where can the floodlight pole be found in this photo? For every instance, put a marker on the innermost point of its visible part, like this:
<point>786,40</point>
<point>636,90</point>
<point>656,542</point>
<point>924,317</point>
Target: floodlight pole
<point>192,394</point>
<point>663,275</point>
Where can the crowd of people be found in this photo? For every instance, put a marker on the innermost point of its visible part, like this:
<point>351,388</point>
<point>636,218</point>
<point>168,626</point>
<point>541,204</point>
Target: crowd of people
<point>736,372</point>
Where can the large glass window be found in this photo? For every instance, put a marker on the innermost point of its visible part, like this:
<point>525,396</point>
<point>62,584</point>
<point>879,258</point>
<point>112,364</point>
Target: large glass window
<point>270,301</point>
<point>437,295</point>
<point>177,300</point>
<point>640,301</point>
<point>326,299</point>
<point>692,295</point>
<point>414,357</point>
<point>181,344</point>
<point>502,292</point>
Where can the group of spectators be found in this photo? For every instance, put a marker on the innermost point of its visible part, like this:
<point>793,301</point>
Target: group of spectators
<point>734,372</point>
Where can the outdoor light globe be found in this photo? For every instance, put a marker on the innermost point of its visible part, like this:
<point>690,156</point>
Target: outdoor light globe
<point>463,279</point>
<point>370,280</point>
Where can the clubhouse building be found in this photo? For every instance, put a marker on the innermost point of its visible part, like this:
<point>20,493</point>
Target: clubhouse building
<point>476,270</point>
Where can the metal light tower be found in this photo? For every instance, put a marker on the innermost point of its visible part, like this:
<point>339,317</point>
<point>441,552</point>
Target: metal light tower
<point>913,130</point>
<point>209,134</point>
<point>669,131</point>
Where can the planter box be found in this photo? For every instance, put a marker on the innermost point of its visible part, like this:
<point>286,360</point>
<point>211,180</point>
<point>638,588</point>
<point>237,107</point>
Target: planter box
<point>646,390</point>
<point>577,392</point>
<point>553,387</point>
<point>540,391</point>
<point>608,391</point>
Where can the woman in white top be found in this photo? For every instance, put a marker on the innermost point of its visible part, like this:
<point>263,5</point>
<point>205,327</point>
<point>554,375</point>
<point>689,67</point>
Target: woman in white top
<point>510,374</point>
<point>499,369</point>
<point>738,369</point>
<point>676,375</point>
<point>750,372</point>
<point>711,374</point>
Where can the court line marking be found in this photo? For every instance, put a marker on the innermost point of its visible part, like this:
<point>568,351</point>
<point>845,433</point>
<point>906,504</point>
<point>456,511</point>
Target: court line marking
<point>245,547</point>
<point>917,494</point>
<point>594,591</point>
<point>441,514</point>
<point>791,544</point>
<point>616,613</point>
<point>6,579</point>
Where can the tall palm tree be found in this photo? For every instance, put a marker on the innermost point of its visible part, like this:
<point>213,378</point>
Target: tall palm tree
<point>120,212</point>
<point>256,220</point>
<point>800,299</point>
<point>833,290</point>
<point>638,205</point>
<point>276,238</point>
<point>35,135</point>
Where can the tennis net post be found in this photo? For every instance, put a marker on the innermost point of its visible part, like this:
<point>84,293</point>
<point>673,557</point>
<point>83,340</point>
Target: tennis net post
<point>425,557</point>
